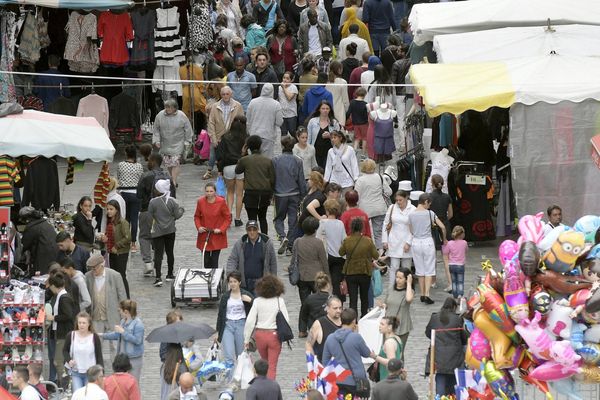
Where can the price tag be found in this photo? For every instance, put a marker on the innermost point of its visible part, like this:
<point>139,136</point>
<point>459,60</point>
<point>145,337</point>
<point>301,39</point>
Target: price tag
<point>475,180</point>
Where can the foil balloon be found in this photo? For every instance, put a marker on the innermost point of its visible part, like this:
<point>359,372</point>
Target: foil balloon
<point>588,225</point>
<point>546,243</point>
<point>588,374</point>
<point>492,278</point>
<point>507,250</point>
<point>501,382</point>
<point>479,345</point>
<point>537,339</point>
<point>497,309</point>
<point>529,258</point>
<point>593,303</point>
<point>553,371</point>
<point>470,360</point>
<point>567,387</point>
<point>564,252</point>
<point>499,342</point>
<point>559,320</point>
<point>525,367</point>
<point>589,353</point>
<point>563,353</point>
<point>562,284</point>
<point>515,294</point>
<point>541,302</point>
<point>592,334</point>
<point>531,228</point>
<point>578,335</point>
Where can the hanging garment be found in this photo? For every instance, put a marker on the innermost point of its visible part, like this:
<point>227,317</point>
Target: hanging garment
<point>29,48</point>
<point>81,50</point>
<point>41,189</point>
<point>192,72</point>
<point>383,142</point>
<point>142,53</point>
<point>101,186</point>
<point>42,27</point>
<point>31,102</point>
<point>440,165</point>
<point>64,106</point>
<point>167,72</point>
<point>123,115</point>
<point>8,175</point>
<point>95,106</point>
<point>168,50</point>
<point>474,210</point>
<point>115,30</point>
<point>8,25</point>
<point>201,34</point>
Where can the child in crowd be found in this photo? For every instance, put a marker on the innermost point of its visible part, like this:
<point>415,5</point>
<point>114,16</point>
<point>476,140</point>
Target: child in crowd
<point>456,250</point>
<point>360,118</point>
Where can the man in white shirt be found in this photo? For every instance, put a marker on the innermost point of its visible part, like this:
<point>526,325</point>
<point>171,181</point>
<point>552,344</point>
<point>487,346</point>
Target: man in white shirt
<point>20,380</point>
<point>93,390</point>
<point>314,35</point>
<point>554,219</point>
<point>361,44</point>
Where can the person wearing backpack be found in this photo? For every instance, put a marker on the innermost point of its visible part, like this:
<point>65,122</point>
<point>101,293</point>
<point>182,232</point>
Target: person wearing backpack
<point>164,211</point>
<point>144,192</point>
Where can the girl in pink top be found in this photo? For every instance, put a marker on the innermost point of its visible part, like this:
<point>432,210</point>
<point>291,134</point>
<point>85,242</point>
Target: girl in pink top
<point>456,250</point>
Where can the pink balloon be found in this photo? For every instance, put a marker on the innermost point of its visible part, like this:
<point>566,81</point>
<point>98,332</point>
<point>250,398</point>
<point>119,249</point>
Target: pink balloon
<point>480,345</point>
<point>531,228</point>
<point>507,251</point>
<point>554,371</point>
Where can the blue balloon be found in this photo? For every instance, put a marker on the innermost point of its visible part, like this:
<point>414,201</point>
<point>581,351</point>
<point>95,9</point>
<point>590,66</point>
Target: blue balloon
<point>588,225</point>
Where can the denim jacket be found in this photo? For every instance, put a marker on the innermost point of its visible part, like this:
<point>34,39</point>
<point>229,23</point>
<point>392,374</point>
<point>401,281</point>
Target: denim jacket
<point>133,337</point>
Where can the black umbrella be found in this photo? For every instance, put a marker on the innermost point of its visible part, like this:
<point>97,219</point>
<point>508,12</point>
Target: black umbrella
<point>180,332</point>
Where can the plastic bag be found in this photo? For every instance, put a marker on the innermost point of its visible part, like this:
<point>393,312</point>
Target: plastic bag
<point>376,283</point>
<point>244,370</point>
<point>368,328</point>
<point>220,185</point>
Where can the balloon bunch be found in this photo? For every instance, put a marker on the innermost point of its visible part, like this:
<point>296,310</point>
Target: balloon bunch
<point>540,315</point>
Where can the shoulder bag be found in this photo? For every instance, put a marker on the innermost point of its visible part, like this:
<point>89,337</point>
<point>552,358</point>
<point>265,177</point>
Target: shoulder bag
<point>294,269</point>
<point>284,331</point>
<point>436,232</point>
<point>363,387</point>
<point>388,201</point>
<point>388,226</point>
<point>343,284</point>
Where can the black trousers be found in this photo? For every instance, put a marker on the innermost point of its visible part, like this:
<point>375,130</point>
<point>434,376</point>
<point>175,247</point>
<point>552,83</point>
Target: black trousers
<point>305,288</point>
<point>118,262</point>
<point>256,205</point>
<point>359,284</point>
<point>211,259</point>
<point>336,264</point>
<point>163,244</point>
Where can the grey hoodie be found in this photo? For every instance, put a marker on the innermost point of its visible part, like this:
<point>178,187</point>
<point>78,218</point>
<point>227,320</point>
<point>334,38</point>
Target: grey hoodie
<point>264,118</point>
<point>164,213</point>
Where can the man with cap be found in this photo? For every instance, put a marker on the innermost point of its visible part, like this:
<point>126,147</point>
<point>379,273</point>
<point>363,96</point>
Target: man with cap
<point>253,255</point>
<point>106,290</point>
<point>68,249</point>
<point>324,61</point>
<point>395,385</point>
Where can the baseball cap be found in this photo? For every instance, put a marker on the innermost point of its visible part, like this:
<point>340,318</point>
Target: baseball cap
<point>252,224</point>
<point>395,365</point>
<point>95,259</point>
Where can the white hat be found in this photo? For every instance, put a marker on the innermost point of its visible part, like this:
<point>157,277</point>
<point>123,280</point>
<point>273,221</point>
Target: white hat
<point>414,196</point>
<point>405,185</point>
<point>391,171</point>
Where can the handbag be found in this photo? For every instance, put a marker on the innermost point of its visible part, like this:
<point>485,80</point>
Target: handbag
<point>284,331</point>
<point>388,201</point>
<point>388,226</point>
<point>343,284</point>
<point>293,269</point>
<point>436,233</point>
<point>252,342</point>
<point>373,372</point>
<point>363,387</point>
<point>343,288</point>
<point>377,283</point>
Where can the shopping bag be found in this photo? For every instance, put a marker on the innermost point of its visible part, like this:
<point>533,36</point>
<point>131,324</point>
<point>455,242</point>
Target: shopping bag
<point>202,145</point>
<point>376,283</point>
<point>220,185</point>
<point>368,328</point>
<point>244,370</point>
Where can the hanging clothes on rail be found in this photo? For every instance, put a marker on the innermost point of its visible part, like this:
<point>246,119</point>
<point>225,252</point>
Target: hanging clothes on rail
<point>8,27</point>
<point>81,50</point>
<point>95,106</point>
<point>9,173</point>
<point>41,189</point>
<point>63,105</point>
<point>124,115</point>
<point>168,50</point>
<point>474,209</point>
<point>115,30</point>
<point>142,53</point>
<point>201,34</point>
<point>30,46</point>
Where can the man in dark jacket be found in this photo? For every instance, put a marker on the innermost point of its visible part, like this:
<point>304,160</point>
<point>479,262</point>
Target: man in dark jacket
<point>264,72</point>
<point>39,238</point>
<point>395,385</point>
<point>253,255</point>
<point>379,15</point>
<point>310,28</point>
<point>68,249</point>
<point>261,387</point>
<point>145,191</point>
<point>290,187</point>
<point>62,322</point>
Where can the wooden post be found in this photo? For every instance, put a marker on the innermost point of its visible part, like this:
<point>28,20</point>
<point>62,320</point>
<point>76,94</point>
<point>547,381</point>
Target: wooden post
<point>432,367</point>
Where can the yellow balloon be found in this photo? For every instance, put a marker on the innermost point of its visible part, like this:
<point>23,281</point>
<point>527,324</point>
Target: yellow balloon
<point>501,344</point>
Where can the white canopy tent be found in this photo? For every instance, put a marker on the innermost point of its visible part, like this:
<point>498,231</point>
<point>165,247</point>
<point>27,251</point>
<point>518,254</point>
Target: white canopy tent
<point>519,42</point>
<point>429,20</point>
<point>35,133</point>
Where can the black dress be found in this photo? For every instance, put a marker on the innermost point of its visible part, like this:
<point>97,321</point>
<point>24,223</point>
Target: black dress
<point>474,211</point>
<point>322,146</point>
<point>439,205</point>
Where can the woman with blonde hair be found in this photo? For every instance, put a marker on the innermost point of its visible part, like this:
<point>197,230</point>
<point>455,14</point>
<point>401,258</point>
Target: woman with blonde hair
<point>82,350</point>
<point>372,191</point>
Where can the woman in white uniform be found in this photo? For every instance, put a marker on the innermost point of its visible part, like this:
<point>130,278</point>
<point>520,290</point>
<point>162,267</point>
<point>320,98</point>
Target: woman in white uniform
<point>423,247</point>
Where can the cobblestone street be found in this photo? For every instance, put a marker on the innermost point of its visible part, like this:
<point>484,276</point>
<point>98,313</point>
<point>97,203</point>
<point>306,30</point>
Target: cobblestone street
<point>154,303</point>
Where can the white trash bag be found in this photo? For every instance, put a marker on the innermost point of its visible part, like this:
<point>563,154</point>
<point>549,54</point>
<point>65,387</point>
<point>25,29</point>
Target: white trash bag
<point>244,370</point>
<point>368,328</point>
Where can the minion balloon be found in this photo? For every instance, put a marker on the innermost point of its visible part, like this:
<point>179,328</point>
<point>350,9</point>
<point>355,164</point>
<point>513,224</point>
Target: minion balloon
<point>564,252</point>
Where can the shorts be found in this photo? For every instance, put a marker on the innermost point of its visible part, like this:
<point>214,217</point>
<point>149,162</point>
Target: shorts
<point>229,173</point>
<point>170,161</point>
<point>360,132</point>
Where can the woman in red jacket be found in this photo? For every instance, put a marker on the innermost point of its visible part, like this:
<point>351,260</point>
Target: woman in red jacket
<point>212,217</point>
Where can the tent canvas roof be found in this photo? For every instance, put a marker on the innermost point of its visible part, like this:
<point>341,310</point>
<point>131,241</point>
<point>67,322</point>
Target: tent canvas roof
<point>428,20</point>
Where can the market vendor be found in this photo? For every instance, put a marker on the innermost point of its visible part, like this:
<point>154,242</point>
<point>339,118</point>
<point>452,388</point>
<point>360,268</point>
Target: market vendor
<point>68,248</point>
<point>39,238</point>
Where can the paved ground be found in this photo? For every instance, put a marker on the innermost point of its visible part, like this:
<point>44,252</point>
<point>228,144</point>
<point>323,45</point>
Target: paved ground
<point>154,302</point>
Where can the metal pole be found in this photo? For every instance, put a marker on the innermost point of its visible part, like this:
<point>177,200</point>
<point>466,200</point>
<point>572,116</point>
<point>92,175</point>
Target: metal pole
<point>432,367</point>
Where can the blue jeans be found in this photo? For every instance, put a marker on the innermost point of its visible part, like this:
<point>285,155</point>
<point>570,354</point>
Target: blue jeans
<point>379,40</point>
<point>132,207</point>
<point>286,206</point>
<point>457,272</point>
<point>78,380</point>
<point>335,22</point>
<point>399,12</point>
<point>212,158</point>
<point>233,339</point>
<point>444,384</point>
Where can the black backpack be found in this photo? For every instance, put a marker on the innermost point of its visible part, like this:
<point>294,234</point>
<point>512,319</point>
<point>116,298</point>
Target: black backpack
<point>284,332</point>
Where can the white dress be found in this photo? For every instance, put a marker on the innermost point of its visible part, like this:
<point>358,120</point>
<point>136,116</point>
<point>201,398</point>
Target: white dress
<point>340,99</point>
<point>400,232</point>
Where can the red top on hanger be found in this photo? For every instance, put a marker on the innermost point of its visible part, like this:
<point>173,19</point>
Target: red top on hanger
<point>115,30</point>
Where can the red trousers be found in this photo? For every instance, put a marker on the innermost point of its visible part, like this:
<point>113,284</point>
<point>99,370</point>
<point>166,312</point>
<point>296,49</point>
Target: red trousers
<point>269,347</point>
